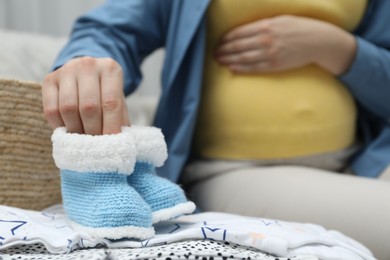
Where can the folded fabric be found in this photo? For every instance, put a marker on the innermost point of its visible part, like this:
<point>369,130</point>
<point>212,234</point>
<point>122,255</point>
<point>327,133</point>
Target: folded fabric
<point>189,250</point>
<point>166,199</point>
<point>278,238</point>
<point>96,196</point>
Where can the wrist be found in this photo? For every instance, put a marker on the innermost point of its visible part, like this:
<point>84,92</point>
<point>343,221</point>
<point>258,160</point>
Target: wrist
<point>337,51</point>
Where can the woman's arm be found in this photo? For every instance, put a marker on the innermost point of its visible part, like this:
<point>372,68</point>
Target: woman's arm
<point>368,77</point>
<point>125,31</point>
<point>85,91</point>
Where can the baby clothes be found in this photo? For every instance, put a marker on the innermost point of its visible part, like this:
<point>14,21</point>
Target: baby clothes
<point>96,196</point>
<point>166,199</point>
<point>99,196</point>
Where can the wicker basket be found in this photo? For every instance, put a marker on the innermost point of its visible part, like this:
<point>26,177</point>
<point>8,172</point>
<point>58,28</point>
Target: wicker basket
<point>28,177</point>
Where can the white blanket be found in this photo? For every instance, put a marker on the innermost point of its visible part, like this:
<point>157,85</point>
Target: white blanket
<point>285,239</point>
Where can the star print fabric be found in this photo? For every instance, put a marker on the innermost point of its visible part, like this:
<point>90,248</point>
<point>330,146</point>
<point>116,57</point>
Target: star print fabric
<point>277,238</point>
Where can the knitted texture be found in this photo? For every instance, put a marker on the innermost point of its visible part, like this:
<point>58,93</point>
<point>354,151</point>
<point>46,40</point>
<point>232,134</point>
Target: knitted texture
<point>166,199</point>
<point>101,203</point>
<point>105,205</point>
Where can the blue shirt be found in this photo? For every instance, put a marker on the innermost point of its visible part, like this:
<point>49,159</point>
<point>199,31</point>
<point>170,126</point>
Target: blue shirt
<point>129,30</point>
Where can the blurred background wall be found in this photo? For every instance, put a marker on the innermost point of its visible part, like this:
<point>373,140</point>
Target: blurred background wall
<point>54,18</point>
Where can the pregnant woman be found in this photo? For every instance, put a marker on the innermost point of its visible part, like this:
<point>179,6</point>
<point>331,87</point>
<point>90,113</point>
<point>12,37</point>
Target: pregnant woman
<point>269,107</point>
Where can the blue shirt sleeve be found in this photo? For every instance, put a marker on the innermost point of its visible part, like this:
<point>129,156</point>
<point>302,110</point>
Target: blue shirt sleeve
<point>124,30</point>
<point>368,78</point>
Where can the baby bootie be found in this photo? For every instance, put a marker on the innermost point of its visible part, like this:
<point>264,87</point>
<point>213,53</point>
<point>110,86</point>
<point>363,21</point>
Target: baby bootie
<point>95,193</point>
<point>166,199</point>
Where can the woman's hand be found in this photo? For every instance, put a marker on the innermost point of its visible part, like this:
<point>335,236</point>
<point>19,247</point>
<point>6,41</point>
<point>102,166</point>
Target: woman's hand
<point>286,42</point>
<point>86,96</point>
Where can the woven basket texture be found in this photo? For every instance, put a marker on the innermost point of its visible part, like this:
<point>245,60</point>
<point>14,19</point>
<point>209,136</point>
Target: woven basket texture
<point>28,177</point>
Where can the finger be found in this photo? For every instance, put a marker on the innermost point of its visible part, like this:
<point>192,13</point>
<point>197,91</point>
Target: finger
<point>246,57</point>
<point>247,30</point>
<point>50,102</point>
<point>68,103</point>
<point>112,98</point>
<point>251,68</point>
<point>89,101</point>
<point>242,44</point>
<point>126,118</point>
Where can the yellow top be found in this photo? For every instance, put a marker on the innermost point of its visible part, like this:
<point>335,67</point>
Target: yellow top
<point>288,114</point>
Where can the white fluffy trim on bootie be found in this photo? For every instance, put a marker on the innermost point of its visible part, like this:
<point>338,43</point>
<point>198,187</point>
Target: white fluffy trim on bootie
<point>115,153</point>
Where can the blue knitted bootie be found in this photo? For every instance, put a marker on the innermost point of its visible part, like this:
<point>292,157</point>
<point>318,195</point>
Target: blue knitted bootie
<point>166,199</point>
<point>96,196</point>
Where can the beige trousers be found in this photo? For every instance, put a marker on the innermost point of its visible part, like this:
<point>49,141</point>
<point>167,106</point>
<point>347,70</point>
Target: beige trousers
<point>358,207</point>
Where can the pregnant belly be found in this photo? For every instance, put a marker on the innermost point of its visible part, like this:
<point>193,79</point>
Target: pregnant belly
<point>280,115</point>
